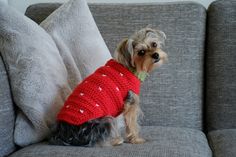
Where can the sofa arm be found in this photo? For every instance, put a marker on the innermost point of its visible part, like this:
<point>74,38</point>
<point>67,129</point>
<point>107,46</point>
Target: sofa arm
<point>221,65</point>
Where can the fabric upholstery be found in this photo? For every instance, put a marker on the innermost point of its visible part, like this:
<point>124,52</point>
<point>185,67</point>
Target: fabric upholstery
<point>223,142</point>
<point>40,12</point>
<point>43,72</point>
<point>173,95</point>
<point>162,142</point>
<point>7,116</point>
<point>221,65</point>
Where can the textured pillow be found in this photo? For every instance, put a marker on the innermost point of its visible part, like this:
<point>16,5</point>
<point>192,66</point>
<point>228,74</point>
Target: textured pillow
<point>78,39</point>
<point>41,77</point>
<point>37,75</point>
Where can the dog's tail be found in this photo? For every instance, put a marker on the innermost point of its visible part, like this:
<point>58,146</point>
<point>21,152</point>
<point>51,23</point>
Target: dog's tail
<point>87,134</point>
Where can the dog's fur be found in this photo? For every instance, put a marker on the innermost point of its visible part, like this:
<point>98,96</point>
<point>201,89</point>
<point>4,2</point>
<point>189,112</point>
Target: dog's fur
<point>142,53</point>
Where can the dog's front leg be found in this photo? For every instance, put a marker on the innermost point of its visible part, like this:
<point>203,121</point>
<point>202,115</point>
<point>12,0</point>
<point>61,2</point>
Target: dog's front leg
<point>131,113</point>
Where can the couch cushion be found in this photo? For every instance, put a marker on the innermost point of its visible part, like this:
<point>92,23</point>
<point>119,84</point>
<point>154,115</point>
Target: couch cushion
<point>7,115</point>
<point>221,65</point>
<point>39,12</point>
<point>162,142</point>
<point>223,142</point>
<point>173,94</point>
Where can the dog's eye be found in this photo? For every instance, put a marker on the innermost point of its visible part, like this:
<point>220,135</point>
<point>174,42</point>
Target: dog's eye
<point>154,44</point>
<point>141,53</point>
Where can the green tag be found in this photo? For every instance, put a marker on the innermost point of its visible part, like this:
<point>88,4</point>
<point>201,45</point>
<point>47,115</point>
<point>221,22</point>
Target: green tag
<point>142,76</point>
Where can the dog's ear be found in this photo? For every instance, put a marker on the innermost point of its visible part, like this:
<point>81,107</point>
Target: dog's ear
<point>162,36</point>
<point>130,48</point>
<point>125,52</point>
<point>155,33</point>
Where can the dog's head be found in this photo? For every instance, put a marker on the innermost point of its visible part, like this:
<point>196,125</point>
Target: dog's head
<point>142,51</point>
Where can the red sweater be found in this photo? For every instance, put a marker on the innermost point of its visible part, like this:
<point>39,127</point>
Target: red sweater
<point>101,94</point>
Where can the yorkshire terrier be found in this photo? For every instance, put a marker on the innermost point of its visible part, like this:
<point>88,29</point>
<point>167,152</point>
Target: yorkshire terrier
<point>92,113</point>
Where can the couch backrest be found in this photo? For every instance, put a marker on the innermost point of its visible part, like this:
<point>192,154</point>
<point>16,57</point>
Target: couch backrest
<point>173,95</point>
<point>221,65</point>
<point>7,116</point>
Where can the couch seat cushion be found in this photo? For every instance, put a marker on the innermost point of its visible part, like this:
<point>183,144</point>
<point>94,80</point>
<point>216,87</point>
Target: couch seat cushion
<point>223,142</point>
<point>162,142</point>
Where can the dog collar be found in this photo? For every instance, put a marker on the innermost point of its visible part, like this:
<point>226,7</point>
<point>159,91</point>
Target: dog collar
<point>141,75</point>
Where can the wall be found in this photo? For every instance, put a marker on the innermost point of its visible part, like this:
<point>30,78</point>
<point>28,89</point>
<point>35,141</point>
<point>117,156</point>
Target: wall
<point>5,1</point>
<point>21,5</point>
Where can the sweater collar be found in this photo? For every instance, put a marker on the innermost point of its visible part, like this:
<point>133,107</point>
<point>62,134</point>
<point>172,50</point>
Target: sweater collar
<point>141,76</point>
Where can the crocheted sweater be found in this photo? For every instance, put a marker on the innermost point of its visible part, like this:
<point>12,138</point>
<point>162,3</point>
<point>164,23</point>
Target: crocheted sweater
<point>101,94</point>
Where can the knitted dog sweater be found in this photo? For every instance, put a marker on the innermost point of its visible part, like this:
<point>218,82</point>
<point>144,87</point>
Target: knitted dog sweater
<point>101,94</point>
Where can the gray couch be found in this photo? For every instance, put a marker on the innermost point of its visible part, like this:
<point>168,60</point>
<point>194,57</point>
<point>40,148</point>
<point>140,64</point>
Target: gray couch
<point>189,104</point>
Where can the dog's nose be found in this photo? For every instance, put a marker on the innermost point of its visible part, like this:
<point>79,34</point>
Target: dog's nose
<point>156,56</point>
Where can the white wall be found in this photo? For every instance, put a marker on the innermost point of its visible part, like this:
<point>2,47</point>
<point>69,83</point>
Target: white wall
<point>21,5</point>
<point>5,1</point>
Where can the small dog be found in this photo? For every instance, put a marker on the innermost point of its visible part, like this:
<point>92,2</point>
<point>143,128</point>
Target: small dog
<point>91,114</point>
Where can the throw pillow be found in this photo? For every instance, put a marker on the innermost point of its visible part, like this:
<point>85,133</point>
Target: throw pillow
<point>37,75</point>
<point>78,39</point>
<point>43,72</point>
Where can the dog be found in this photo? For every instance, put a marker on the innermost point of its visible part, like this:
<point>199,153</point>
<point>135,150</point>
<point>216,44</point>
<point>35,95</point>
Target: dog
<point>92,113</point>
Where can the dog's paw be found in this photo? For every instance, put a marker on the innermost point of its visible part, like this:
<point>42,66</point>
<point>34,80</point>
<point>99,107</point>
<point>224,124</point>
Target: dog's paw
<point>117,141</point>
<point>136,140</point>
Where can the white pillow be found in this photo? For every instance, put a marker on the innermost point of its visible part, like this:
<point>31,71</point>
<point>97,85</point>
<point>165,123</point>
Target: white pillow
<point>37,75</point>
<point>43,72</point>
<point>78,39</point>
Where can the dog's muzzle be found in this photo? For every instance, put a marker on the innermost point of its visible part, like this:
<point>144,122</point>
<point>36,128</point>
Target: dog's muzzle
<point>156,57</point>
